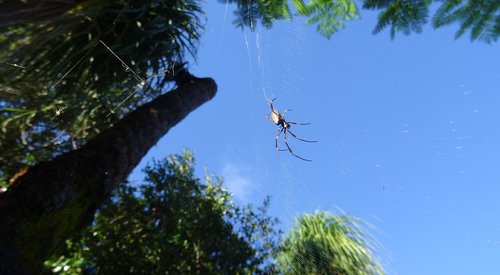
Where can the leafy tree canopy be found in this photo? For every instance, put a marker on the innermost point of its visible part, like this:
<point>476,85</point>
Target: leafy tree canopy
<point>172,224</point>
<point>480,17</point>
<point>61,79</point>
<point>328,16</point>
<point>322,243</point>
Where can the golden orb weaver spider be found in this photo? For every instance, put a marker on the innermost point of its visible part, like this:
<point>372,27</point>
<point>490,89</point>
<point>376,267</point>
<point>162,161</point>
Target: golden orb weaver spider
<point>284,127</point>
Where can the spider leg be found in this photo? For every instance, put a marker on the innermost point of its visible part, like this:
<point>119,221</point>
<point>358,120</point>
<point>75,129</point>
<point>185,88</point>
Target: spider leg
<point>290,149</point>
<point>298,123</point>
<point>295,136</point>
<point>280,130</point>
<point>270,101</point>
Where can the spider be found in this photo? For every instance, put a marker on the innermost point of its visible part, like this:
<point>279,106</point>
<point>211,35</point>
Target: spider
<point>284,127</point>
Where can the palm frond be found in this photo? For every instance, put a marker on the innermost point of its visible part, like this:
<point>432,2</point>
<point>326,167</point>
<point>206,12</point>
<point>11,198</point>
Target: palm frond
<point>481,18</point>
<point>404,16</point>
<point>327,244</point>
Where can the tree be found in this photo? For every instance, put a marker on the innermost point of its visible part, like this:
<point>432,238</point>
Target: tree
<point>73,83</point>
<point>323,243</point>
<point>63,85</point>
<point>54,200</point>
<point>172,224</point>
<point>78,157</point>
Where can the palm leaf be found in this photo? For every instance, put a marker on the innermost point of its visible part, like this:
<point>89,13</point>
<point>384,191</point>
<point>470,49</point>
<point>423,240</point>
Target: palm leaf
<point>405,16</point>
<point>327,244</point>
<point>481,18</point>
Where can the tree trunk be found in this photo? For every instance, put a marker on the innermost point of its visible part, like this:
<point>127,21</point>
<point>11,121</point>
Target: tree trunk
<point>56,199</point>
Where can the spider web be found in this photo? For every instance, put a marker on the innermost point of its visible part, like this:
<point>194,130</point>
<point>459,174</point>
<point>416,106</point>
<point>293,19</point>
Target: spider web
<point>238,142</point>
<point>140,85</point>
<point>245,154</point>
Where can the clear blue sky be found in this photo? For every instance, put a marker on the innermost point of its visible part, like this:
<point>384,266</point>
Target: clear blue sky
<point>408,131</point>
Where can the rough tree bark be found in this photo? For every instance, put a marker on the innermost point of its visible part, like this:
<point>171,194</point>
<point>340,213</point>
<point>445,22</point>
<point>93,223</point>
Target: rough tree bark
<point>54,200</point>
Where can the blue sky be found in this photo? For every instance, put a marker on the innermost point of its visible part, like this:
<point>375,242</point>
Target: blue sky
<point>408,131</point>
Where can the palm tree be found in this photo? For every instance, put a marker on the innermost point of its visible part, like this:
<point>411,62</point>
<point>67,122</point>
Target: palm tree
<point>56,199</point>
<point>323,243</point>
<point>61,77</point>
<point>92,56</point>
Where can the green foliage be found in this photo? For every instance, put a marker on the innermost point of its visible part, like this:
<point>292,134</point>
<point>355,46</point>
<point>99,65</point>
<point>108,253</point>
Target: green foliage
<point>59,82</point>
<point>480,17</point>
<point>149,33</point>
<point>249,12</point>
<point>172,223</point>
<point>329,15</point>
<point>327,244</point>
<point>400,15</point>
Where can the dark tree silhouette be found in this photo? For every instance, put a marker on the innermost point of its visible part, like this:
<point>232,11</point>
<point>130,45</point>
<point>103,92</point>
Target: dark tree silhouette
<point>54,200</point>
<point>172,222</point>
